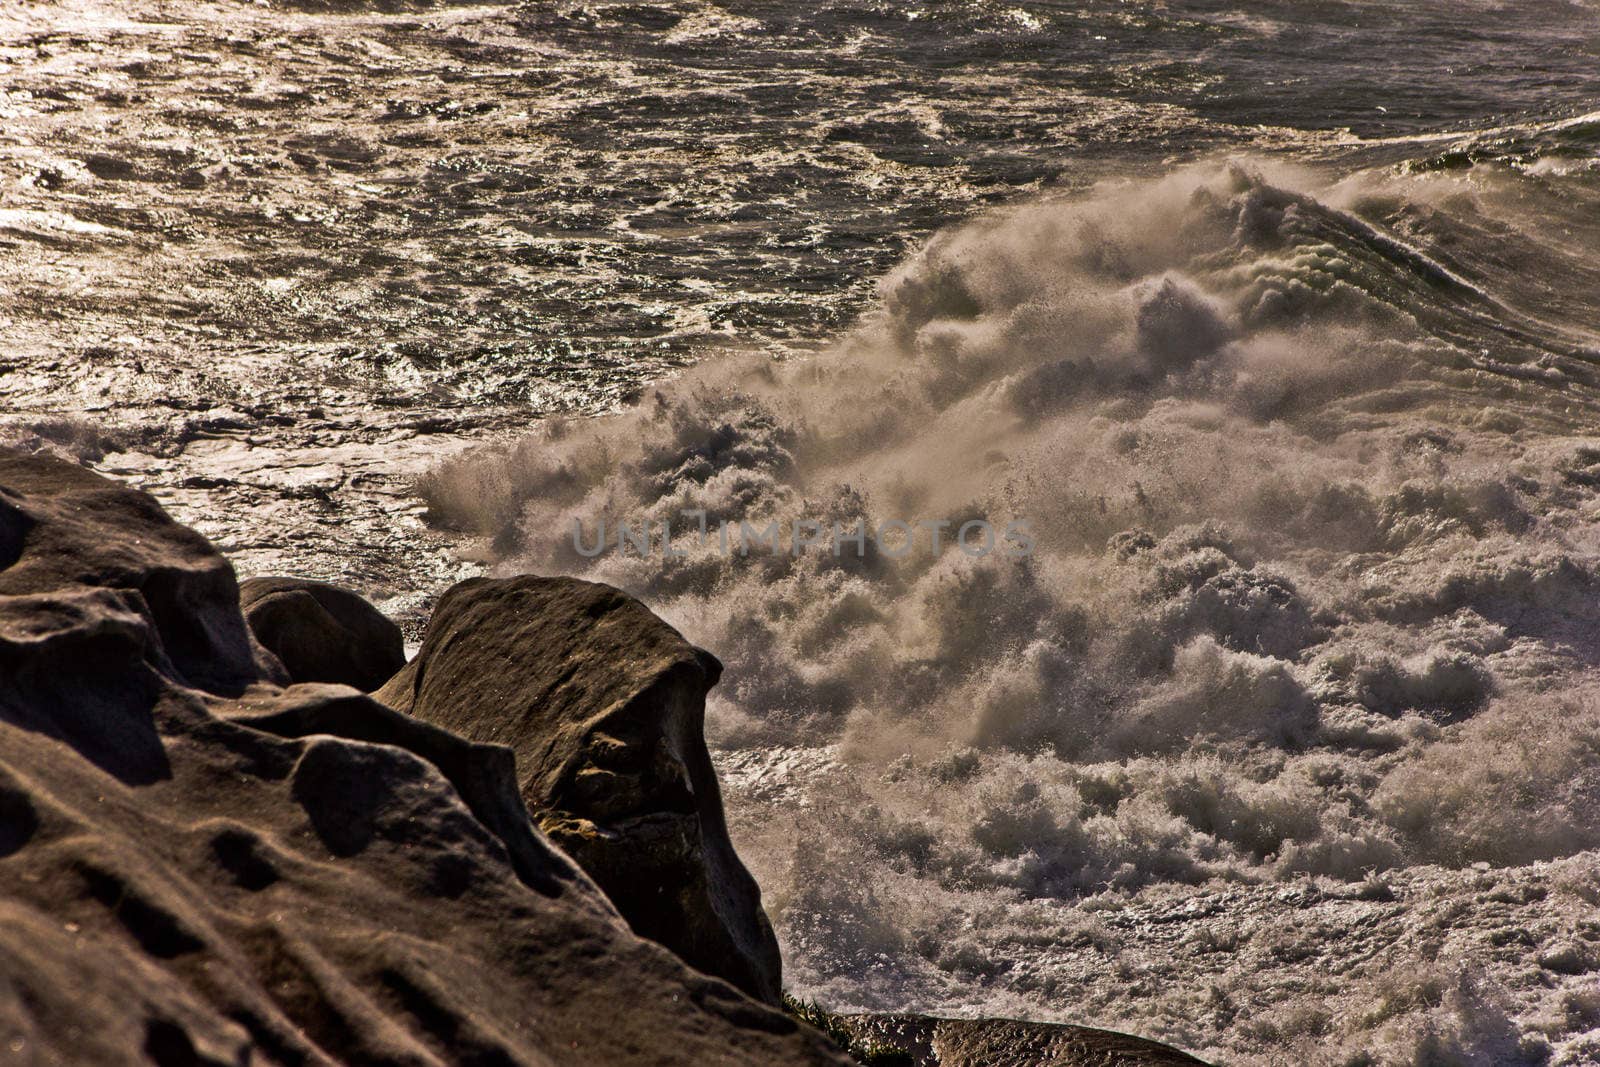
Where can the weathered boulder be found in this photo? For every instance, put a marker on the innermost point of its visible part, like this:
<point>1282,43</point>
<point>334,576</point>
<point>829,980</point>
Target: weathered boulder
<point>604,705</point>
<point>929,1041</point>
<point>200,866</point>
<point>323,633</point>
<point>65,528</point>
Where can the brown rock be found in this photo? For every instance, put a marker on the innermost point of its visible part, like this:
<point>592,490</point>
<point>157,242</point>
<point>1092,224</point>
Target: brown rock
<point>65,528</point>
<point>198,866</point>
<point>604,705</point>
<point>323,633</point>
<point>928,1041</point>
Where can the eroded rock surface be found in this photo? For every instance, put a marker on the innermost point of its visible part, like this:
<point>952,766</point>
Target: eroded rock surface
<point>323,633</point>
<point>67,531</point>
<point>200,866</point>
<point>603,704</point>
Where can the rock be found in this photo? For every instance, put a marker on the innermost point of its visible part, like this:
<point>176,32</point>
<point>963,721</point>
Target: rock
<point>928,1041</point>
<point>1567,957</point>
<point>603,704</point>
<point>323,633</point>
<point>63,529</point>
<point>198,865</point>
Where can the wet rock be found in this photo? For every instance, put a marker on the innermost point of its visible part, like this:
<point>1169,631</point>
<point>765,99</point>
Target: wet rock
<point>927,1041</point>
<point>230,871</point>
<point>108,167</point>
<point>323,633</point>
<point>1568,957</point>
<point>603,704</point>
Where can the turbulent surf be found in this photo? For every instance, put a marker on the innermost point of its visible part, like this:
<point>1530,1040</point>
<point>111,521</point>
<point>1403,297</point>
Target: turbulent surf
<point>1273,324</point>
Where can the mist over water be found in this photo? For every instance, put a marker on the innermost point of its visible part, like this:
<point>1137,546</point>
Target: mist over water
<point>1310,466</point>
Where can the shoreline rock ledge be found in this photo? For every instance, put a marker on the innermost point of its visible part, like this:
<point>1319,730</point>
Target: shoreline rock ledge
<point>200,864</point>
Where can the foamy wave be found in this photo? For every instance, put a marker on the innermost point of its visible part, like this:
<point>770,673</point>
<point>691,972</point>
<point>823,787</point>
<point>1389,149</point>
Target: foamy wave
<point>1311,507</point>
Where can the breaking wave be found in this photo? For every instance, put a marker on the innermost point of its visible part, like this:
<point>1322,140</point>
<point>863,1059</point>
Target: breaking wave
<point>1312,479</point>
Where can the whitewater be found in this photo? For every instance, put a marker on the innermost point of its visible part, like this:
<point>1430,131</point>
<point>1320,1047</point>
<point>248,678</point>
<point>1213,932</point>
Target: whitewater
<point>1274,322</point>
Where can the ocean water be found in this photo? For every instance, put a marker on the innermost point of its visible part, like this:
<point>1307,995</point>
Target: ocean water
<point>1276,324</point>
<point>746,173</point>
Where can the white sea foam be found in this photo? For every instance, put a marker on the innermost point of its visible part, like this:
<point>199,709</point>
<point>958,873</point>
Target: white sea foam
<point>1313,593</point>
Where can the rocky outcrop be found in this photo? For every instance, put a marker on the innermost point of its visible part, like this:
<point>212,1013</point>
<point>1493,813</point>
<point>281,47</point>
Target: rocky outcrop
<point>65,530</point>
<point>322,633</point>
<point>928,1041</point>
<point>200,865</point>
<point>603,704</point>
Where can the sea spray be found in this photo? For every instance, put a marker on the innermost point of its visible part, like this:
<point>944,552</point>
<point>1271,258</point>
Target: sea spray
<point>1307,506</point>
